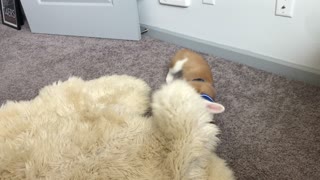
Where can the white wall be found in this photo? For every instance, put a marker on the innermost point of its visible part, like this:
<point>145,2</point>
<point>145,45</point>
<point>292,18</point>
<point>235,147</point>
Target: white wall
<point>247,24</point>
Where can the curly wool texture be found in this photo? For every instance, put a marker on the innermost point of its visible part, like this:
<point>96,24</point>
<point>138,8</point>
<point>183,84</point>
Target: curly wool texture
<point>97,130</point>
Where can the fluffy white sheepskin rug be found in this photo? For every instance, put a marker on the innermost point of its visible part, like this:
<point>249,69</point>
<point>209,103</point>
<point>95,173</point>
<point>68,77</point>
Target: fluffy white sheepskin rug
<point>97,130</point>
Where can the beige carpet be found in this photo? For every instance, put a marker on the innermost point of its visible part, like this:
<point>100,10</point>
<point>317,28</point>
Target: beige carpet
<point>97,130</point>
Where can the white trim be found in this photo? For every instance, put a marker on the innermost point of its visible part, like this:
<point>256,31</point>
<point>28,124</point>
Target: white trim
<point>269,64</point>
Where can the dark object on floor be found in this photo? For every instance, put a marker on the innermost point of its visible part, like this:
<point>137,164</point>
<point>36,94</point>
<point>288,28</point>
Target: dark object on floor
<point>11,14</point>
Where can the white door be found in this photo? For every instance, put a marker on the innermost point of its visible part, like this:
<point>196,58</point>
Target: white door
<point>116,19</point>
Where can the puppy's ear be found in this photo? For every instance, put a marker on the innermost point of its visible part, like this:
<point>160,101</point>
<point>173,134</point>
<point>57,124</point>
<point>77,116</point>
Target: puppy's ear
<point>215,108</point>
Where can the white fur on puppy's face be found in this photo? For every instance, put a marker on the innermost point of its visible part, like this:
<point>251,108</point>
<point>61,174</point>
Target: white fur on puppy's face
<point>170,76</point>
<point>175,69</point>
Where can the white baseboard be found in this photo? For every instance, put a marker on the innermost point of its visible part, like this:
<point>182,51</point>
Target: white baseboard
<point>269,64</point>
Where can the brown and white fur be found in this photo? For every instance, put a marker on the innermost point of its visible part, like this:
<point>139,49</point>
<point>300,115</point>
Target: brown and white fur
<point>193,67</point>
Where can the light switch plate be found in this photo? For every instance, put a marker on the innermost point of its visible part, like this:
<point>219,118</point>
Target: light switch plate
<point>181,3</point>
<point>211,2</point>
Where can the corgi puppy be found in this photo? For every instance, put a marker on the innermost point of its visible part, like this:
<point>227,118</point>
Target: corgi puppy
<point>196,71</point>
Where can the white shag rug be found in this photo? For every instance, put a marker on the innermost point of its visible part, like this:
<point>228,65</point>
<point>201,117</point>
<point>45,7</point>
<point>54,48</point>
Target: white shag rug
<point>97,130</point>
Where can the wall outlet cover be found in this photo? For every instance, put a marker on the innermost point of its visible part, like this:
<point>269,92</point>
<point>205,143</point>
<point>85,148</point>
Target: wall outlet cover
<point>285,8</point>
<point>210,2</point>
<point>181,3</point>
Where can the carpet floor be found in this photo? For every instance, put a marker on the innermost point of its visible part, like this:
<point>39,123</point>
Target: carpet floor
<point>271,126</point>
